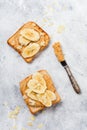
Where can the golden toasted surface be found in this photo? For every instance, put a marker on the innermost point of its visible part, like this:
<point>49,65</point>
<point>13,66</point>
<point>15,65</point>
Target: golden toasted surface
<point>58,51</point>
<point>38,105</point>
<point>41,37</point>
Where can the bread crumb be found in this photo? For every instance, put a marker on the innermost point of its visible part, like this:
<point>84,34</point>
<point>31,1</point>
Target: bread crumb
<point>61,28</point>
<point>32,118</point>
<point>30,124</point>
<point>14,113</point>
<point>40,125</point>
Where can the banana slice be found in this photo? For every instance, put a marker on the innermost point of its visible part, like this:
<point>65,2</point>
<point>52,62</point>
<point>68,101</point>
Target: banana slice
<point>30,34</point>
<point>47,103</point>
<point>46,98</point>
<point>32,84</point>
<point>23,41</point>
<point>51,95</point>
<point>39,77</point>
<point>37,90</point>
<point>31,94</point>
<point>36,87</point>
<point>30,50</point>
<point>35,103</point>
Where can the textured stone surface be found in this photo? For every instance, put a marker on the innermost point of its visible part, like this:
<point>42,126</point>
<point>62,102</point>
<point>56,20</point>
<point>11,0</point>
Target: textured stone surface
<point>71,16</point>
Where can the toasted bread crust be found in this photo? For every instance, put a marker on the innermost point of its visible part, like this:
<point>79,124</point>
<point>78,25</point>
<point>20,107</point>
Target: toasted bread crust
<point>50,86</point>
<point>13,41</point>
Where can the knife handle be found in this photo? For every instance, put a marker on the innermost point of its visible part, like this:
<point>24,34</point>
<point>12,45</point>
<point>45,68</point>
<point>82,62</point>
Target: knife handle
<point>72,79</point>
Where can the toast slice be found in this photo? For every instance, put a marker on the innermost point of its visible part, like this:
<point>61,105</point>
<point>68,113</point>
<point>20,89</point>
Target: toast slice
<point>31,35</point>
<point>34,105</point>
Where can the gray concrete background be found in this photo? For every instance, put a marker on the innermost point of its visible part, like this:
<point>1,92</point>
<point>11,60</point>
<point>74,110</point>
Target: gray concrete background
<point>71,113</point>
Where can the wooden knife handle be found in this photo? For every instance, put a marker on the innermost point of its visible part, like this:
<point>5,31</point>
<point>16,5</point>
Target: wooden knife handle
<point>72,79</point>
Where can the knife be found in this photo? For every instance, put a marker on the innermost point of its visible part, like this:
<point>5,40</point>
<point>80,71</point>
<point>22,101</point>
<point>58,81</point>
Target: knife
<point>60,56</point>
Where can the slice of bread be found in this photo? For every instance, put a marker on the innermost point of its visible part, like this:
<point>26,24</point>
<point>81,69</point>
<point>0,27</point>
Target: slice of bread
<point>43,40</point>
<point>50,86</point>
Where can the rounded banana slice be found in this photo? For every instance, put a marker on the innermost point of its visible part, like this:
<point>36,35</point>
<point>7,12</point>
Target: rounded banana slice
<point>46,98</point>
<point>32,84</point>
<point>31,94</point>
<point>30,50</point>
<point>47,103</point>
<point>39,77</point>
<point>36,87</point>
<point>30,34</point>
<point>51,95</point>
<point>23,41</point>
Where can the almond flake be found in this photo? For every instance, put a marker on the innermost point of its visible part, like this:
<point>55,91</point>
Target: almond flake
<point>61,28</point>
<point>13,114</point>
<point>30,124</point>
<point>32,118</point>
<point>40,125</point>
